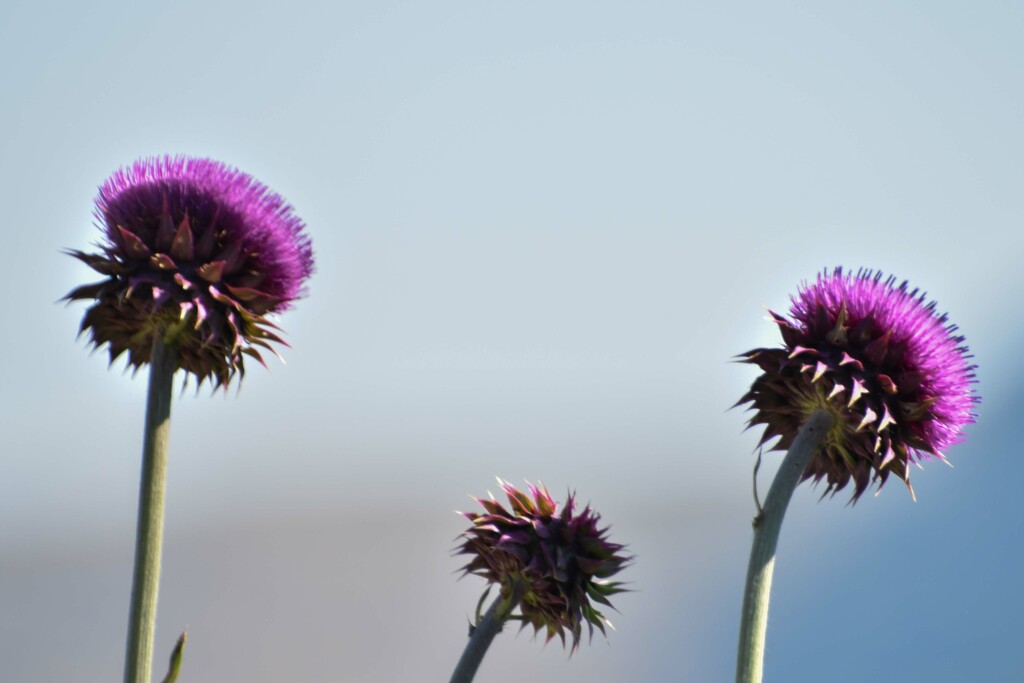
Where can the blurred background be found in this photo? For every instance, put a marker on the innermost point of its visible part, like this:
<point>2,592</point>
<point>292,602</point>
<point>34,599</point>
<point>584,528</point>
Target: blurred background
<point>542,231</point>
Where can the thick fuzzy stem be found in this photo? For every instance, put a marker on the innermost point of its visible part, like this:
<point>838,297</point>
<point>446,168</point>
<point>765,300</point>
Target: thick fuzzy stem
<point>754,620</point>
<point>149,532</point>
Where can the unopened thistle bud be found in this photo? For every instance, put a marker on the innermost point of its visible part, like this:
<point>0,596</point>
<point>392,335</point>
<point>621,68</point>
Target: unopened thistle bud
<point>558,561</point>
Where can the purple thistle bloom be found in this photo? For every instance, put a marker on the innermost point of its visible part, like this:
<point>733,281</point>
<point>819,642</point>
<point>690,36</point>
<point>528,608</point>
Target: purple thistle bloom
<point>893,372</point>
<point>557,561</point>
<point>197,252</point>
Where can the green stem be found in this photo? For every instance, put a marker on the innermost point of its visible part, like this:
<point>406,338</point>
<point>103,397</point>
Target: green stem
<point>483,634</point>
<point>754,620</point>
<point>149,532</point>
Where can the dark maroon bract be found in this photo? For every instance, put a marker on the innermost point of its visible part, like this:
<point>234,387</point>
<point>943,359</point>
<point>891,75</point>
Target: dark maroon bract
<point>894,373</point>
<point>557,561</point>
<point>198,252</point>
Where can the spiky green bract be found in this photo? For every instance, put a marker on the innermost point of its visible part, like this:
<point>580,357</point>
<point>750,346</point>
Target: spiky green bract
<point>559,561</point>
<point>894,373</point>
<point>199,253</point>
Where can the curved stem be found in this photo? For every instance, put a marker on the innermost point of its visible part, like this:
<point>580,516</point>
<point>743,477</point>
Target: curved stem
<point>483,633</point>
<point>476,648</point>
<point>754,620</point>
<point>150,528</point>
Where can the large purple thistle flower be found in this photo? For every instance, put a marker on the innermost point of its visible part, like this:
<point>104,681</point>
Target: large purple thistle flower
<point>558,562</point>
<point>198,252</point>
<point>893,372</point>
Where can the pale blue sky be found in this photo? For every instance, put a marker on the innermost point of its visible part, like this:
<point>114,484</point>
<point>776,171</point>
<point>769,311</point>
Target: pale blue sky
<point>542,230</point>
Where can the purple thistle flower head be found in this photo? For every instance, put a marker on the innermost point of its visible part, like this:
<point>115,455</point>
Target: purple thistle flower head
<point>556,562</point>
<point>198,252</point>
<point>894,373</point>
